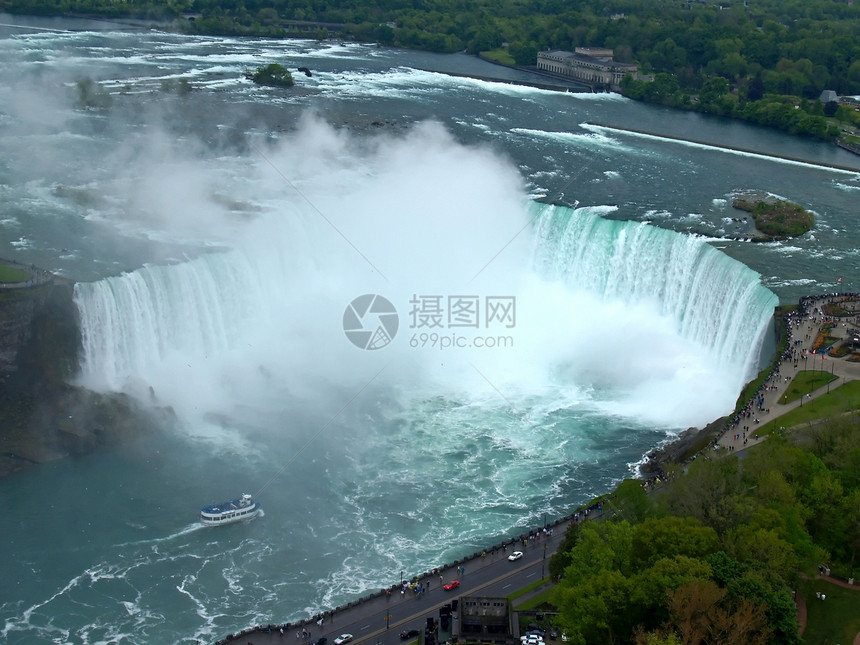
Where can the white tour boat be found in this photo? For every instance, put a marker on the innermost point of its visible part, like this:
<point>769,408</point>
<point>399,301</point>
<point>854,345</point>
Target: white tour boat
<point>235,510</point>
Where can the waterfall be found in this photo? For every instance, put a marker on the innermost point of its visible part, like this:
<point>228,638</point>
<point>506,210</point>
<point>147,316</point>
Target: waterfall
<point>714,301</point>
<point>674,314</point>
<point>142,318</point>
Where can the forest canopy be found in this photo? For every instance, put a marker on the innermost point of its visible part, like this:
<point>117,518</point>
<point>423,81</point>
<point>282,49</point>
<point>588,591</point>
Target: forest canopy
<point>793,47</point>
<point>721,551</point>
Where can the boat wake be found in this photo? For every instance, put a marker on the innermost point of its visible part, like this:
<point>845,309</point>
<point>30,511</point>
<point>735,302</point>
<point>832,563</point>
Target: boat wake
<point>191,528</point>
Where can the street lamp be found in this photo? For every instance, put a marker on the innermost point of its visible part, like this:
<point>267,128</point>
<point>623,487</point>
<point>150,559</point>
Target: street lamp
<point>543,562</point>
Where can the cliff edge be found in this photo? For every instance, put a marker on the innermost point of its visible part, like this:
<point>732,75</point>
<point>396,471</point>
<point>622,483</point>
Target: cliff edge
<point>43,416</point>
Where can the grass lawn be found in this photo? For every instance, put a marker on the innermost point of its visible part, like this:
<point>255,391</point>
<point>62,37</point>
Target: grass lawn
<point>540,601</point>
<point>805,382</point>
<point>524,590</point>
<point>12,274</point>
<point>833,621</point>
<point>841,399</point>
<point>500,55</point>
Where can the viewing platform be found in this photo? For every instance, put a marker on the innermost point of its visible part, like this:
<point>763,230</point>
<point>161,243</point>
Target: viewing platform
<point>16,276</point>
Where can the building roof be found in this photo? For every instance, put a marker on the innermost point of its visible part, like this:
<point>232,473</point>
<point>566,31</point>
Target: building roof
<point>581,58</point>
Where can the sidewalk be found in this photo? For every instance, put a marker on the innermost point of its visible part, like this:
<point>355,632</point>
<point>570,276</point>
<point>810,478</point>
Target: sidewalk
<point>806,331</point>
<point>382,616</point>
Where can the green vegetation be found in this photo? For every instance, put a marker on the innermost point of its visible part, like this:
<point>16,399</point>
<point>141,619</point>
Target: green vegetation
<point>273,75</point>
<point>777,217</point>
<point>840,401</point>
<point>718,96</point>
<point>13,274</point>
<point>765,62</point>
<point>804,383</point>
<point>841,351</point>
<point>524,590</point>
<point>721,550</point>
<point>91,96</point>
<point>539,601</point>
<point>501,56</point>
<point>833,620</point>
<point>846,307</point>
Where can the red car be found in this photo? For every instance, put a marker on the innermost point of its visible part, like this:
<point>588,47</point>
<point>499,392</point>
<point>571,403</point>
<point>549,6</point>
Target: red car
<point>451,585</point>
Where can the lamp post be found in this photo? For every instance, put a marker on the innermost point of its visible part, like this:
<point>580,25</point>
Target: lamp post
<point>401,578</point>
<point>543,563</point>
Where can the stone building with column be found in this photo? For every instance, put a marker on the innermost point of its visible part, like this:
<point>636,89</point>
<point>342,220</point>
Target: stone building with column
<point>593,66</point>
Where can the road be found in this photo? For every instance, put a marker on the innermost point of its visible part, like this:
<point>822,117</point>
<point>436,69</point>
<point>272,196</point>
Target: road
<point>380,619</point>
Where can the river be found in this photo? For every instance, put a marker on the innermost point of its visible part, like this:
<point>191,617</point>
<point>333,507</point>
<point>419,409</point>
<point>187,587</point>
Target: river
<point>521,358</point>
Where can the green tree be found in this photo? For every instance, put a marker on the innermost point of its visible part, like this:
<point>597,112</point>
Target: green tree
<point>849,530</point>
<point>755,89</point>
<point>663,89</point>
<point>596,609</point>
<point>601,545</point>
<point>560,560</point>
<point>523,52</point>
<point>91,95</point>
<point>658,538</point>
<point>706,493</point>
<point>668,56</point>
<point>273,75</point>
<point>714,89</point>
<point>631,502</point>
<point>650,586</point>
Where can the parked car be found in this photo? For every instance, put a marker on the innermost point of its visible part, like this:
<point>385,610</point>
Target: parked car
<point>554,633</point>
<point>451,585</point>
<point>410,633</point>
<point>343,638</point>
<point>322,640</point>
<point>516,555</point>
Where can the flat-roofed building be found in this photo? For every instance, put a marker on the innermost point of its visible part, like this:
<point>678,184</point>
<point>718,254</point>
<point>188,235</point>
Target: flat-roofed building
<point>485,618</point>
<point>589,65</point>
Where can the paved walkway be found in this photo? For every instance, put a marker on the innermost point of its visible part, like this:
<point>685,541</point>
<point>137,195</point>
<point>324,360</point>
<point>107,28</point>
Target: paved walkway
<point>37,276</point>
<point>800,603</point>
<point>805,331</point>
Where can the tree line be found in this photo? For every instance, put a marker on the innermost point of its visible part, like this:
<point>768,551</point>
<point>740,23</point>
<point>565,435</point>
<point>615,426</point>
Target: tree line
<point>736,58</point>
<point>717,556</point>
<point>797,47</point>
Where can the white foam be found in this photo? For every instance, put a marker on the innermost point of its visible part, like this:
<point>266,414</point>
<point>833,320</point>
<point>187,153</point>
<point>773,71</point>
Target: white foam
<point>705,146</point>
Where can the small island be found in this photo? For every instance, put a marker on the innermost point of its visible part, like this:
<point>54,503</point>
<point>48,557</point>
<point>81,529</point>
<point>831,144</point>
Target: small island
<point>273,75</point>
<point>775,219</point>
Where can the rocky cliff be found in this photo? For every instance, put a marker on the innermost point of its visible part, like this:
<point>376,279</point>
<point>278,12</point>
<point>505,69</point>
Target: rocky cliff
<point>43,416</point>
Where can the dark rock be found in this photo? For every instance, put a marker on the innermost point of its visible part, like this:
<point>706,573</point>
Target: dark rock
<point>42,416</point>
<point>683,448</point>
